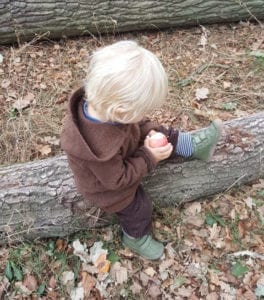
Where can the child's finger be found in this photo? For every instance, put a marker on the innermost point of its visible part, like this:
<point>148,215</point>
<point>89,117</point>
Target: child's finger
<point>164,148</point>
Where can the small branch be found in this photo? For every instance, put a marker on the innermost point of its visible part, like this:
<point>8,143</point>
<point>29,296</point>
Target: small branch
<point>247,253</point>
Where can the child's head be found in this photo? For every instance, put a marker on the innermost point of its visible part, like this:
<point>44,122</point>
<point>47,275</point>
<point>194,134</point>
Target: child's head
<point>124,82</point>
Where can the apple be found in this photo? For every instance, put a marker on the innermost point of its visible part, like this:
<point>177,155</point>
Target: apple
<point>158,139</point>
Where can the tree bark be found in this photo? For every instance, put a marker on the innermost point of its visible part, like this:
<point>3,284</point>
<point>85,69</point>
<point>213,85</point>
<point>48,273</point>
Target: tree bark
<point>33,195</point>
<point>23,19</point>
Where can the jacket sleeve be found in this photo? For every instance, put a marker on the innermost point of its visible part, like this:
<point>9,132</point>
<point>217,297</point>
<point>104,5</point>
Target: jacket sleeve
<point>145,127</point>
<point>172,136</point>
<point>117,173</point>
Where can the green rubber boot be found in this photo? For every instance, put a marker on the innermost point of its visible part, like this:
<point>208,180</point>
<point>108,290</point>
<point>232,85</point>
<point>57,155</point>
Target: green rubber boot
<point>204,141</point>
<point>146,246</point>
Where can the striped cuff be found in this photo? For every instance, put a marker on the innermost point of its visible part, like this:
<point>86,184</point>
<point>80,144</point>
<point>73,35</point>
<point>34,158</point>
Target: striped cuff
<point>185,145</point>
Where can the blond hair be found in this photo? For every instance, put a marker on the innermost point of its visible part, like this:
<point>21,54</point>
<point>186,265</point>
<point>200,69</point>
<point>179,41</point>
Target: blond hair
<point>125,82</point>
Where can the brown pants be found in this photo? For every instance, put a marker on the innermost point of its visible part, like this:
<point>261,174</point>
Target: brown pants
<point>135,219</point>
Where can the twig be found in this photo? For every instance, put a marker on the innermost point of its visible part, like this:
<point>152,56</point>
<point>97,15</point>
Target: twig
<point>235,182</point>
<point>242,4</point>
<point>247,253</point>
<point>199,70</point>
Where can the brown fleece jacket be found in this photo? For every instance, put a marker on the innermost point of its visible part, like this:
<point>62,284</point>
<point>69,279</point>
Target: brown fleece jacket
<point>108,160</point>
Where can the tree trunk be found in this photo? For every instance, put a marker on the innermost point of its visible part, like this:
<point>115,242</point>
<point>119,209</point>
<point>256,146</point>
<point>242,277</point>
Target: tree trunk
<point>33,195</point>
<point>23,19</point>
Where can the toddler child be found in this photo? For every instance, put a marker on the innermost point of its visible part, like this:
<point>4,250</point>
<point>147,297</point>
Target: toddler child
<point>106,138</point>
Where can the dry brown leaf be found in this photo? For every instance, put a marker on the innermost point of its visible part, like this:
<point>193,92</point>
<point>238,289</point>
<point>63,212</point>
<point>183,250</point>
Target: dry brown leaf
<point>29,97</point>
<point>87,282</point>
<point>214,279</point>
<point>5,83</point>
<point>61,245</point>
<point>52,282</point>
<point>197,220</point>
<point>193,209</point>
<point>126,253</point>
<point>214,232</point>
<point>185,292</point>
<point>23,289</point>
<point>154,291</point>
<point>212,296</point>
<point>226,84</point>
<point>43,86</point>
<point>119,273</point>
<point>4,284</point>
<point>241,229</point>
<point>136,288</point>
<point>30,282</point>
<point>150,271</point>
<point>202,93</point>
<point>21,104</point>
<point>102,264</point>
<point>166,264</point>
<point>144,278</point>
<point>52,295</point>
<point>43,149</point>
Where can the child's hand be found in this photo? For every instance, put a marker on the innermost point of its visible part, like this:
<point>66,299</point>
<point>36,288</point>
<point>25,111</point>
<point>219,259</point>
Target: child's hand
<point>159,153</point>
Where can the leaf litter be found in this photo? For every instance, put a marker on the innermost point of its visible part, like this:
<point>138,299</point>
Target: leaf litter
<point>214,249</point>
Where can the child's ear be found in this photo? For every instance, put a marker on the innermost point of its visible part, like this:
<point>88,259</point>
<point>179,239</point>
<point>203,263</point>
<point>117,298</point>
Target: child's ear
<point>120,112</point>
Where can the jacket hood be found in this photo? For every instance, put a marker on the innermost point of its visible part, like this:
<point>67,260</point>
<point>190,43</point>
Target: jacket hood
<point>74,143</point>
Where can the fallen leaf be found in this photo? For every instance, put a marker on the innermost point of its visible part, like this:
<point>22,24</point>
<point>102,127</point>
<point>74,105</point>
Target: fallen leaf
<point>202,93</point>
<point>67,276</point>
<point>249,202</point>
<point>150,271</point>
<point>4,284</point>
<point>119,273</point>
<point>96,250</point>
<point>212,296</point>
<point>214,279</point>
<point>144,278</point>
<point>80,250</point>
<point>197,220</point>
<point>43,149</point>
<point>126,253</point>
<point>52,282</point>
<point>5,83</point>
<point>135,288</point>
<point>87,282</point>
<point>77,293</point>
<point>102,264</point>
<point>193,209</point>
<point>61,245</point>
<point>30,282</point>
<point>29,97</point>
<point>154,291</point>
<point>21,104</point>
<point>166,264</point>
<point>260,286</point>
<point>214,231</point>
<point>226,84</point>
<point>23,289</point>
<point>43,86</point>
<point>185,292</point>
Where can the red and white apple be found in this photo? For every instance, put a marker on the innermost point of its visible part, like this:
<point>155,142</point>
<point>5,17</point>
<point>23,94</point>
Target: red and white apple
<point>158,139</point>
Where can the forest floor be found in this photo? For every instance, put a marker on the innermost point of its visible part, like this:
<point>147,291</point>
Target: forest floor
<point>214,247</point>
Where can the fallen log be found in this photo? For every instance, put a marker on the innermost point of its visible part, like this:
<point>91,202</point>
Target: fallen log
<point>33,195</point>
<point>23,20</point>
